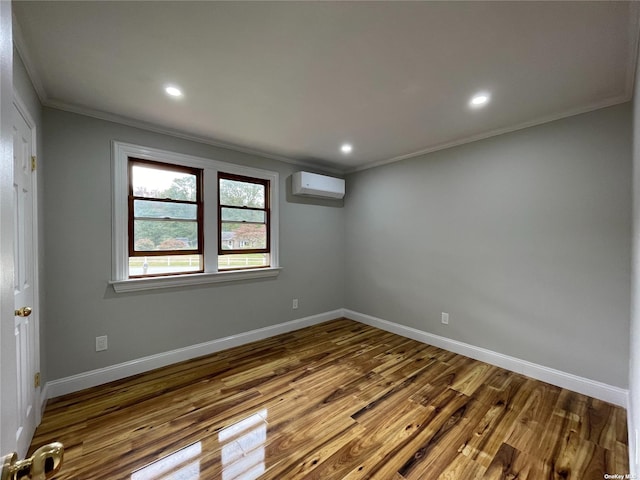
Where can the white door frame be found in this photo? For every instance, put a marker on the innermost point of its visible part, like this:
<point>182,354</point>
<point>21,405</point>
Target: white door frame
<point>8,421</point>
<point>35,316</point>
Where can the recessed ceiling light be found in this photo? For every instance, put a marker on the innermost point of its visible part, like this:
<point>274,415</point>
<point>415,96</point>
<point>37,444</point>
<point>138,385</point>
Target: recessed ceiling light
<point>173,91</point>
<point>479,100</point>
<point>346,148</point>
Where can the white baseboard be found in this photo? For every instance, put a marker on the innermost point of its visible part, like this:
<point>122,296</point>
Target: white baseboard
<point>608,393</point>
<point>602,391</point>
<point>100,376</point>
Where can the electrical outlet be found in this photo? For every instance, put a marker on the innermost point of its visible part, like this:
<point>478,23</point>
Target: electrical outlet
<point>294,305</point>
<point>101,343</point>
<point>445,318</point>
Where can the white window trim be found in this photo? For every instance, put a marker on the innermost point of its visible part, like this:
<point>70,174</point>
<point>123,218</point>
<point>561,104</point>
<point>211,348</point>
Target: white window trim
<point>120,252</point>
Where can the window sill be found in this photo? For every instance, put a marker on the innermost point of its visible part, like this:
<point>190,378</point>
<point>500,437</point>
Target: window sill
<point>152,283</point>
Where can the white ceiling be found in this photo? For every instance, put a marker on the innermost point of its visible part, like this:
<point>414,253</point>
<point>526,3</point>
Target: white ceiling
<point>294,80</point>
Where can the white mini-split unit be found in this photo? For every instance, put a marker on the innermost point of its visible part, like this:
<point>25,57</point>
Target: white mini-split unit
<point>314,185</point>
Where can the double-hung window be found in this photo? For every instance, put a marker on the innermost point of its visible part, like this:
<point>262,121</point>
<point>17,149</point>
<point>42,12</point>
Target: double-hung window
<point>243,222</point>
<point>165,219</point>
<point>183,220</point>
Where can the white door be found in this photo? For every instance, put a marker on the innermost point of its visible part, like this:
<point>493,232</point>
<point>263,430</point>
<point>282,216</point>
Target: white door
<point>24,284</point>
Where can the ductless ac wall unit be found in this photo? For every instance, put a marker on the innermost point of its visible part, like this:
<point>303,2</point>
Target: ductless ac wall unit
<point>315,185</point>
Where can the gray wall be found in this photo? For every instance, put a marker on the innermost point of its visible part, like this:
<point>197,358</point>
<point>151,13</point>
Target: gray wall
<point>23,87</point>
<point>524,239</point>
<point>81,305</point>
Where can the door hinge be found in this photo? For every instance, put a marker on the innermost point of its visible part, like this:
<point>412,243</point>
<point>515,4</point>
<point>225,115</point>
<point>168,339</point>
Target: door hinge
<point>34,162</point>
<point>36,380</point>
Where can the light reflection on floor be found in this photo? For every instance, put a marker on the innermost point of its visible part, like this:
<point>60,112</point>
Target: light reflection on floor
<point>179,465</point>
<point>242,454</point>
<point>243,447</point>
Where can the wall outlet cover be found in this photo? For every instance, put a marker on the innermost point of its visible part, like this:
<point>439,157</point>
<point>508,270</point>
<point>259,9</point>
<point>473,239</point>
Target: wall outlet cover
<point>101,343</point>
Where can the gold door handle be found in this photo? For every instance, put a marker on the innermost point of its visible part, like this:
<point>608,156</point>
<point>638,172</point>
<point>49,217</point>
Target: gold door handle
<point>44,463</point>
<point>23,312</point>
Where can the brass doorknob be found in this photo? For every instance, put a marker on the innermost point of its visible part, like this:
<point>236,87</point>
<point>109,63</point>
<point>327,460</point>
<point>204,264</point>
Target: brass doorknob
<point>44,463</point>
<point>23,312</point>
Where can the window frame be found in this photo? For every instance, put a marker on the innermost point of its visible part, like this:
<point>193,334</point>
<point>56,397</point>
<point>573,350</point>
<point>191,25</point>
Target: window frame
<point>197,172</point>
<point>120,280</point>
<point>267,211</point>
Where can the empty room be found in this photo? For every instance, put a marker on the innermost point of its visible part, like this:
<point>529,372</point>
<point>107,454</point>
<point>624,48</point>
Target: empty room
<point>319,240</point>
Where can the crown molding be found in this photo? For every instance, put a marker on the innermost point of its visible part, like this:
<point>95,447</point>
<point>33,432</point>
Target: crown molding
<point>20,46</point>
<point>634,34</point>
<point>27,59</point>
<point>625,97</point>
<point>101,115</point>
<point>152,127</point>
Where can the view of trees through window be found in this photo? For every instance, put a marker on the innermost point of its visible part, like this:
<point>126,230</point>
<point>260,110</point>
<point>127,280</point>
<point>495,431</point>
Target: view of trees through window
<point>244,223</point>
<point>242,226</point>
<point>160,225</point>
<point>165,219</point>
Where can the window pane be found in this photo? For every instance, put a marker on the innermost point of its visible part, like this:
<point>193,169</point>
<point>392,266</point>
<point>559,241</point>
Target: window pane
<point>164,265</point>
<point>243,236</point>
<point>151,209</point>
<point>241,194</point>
<point>164,235</point>
<point>158,183</point>
<point>249,260</point>
<point>239,215</point>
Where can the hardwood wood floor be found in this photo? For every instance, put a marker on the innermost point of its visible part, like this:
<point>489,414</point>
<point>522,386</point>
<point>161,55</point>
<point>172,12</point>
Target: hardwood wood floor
<point>340,400</point>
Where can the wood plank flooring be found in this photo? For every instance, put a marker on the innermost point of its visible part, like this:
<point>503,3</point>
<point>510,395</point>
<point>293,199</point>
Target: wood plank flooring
<point>340,400</point>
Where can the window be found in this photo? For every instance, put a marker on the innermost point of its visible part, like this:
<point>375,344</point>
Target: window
<point>243,222</point>
<point>165,219</point>
<point>182,220</point>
